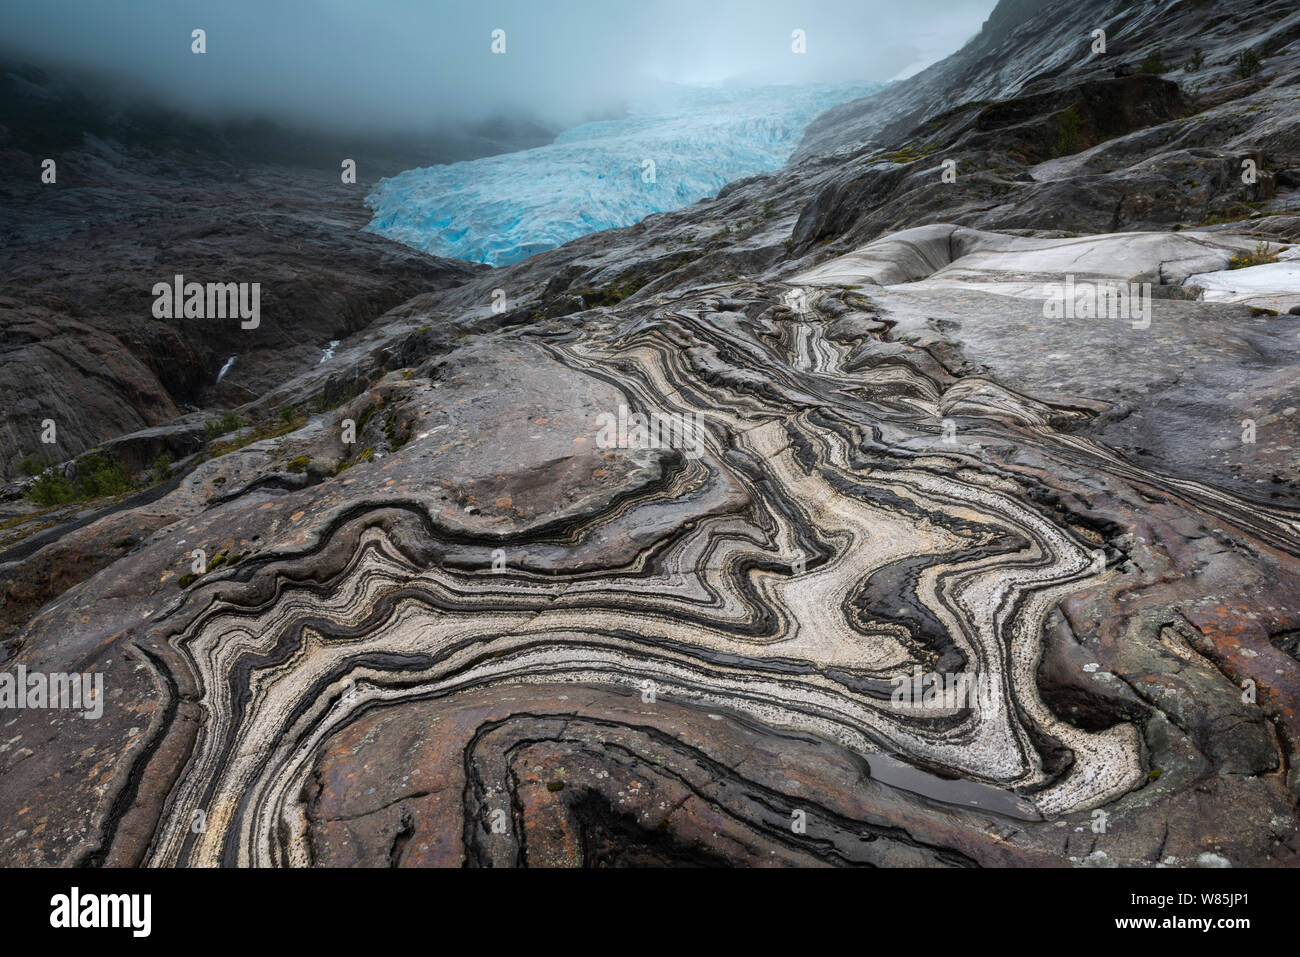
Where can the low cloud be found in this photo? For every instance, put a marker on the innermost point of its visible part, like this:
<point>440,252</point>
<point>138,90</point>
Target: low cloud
<point>413,64</point>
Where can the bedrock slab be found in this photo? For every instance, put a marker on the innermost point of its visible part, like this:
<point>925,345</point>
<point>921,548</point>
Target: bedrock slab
<point>484,634</point>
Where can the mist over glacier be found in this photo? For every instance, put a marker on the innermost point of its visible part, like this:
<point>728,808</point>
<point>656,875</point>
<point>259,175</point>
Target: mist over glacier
<point>501,209</point>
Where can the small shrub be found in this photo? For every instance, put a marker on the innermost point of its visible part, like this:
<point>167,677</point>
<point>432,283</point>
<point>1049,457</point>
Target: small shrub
<point>51,488</point>
<point>1246,64</point>
<point>1261,254</point>
<point>228,423</point>
<point>1154,63</point>
<point>1067,132</point>
<point>162,468</point>
<point>98,476</point>
<point>1195,61</point>
<point>30,465</point>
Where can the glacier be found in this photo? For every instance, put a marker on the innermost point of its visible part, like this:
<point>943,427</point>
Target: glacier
<point>679,146</point>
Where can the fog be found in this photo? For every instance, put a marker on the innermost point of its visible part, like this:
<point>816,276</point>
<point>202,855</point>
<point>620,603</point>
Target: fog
<point>415,64</point>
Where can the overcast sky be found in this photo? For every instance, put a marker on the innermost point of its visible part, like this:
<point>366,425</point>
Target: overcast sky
<point>414,63</point>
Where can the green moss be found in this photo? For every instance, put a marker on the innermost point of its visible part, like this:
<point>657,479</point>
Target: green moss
<point>610,295</point>
<point>1215,219</point>
<point>366,416</point>
<point>185,581</point>
<point>366,455</point>
<point>299,464</point>
<point>397,433</point>
<point>909,154</point>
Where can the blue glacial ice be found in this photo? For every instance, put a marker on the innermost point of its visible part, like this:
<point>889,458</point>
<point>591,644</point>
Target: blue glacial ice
<point>501,209</point>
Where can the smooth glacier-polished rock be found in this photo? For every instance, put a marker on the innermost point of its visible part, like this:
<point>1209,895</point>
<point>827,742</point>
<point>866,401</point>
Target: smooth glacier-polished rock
<point>617,625</point>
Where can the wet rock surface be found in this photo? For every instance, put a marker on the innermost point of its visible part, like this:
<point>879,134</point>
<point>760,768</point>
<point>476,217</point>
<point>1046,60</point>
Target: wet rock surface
<point>448,616</point>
